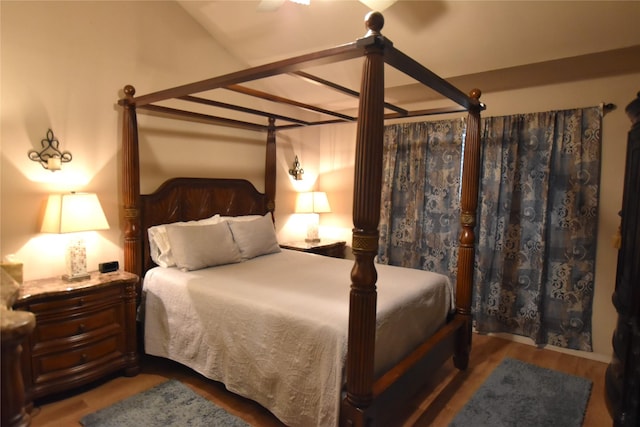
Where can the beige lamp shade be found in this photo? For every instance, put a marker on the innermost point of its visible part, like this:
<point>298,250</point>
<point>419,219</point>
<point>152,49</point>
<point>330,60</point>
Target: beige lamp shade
<point>73,212</point>
<point>312,202</point>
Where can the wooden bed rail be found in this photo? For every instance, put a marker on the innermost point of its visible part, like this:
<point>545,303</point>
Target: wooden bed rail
<point>392,390</point>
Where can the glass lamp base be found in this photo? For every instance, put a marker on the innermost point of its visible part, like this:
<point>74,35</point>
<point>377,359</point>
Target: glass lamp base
<point>76,261</point>
<point>312,233</point>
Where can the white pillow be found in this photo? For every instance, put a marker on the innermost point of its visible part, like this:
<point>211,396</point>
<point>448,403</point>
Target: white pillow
<point>240,218</point>
<point>256,237</point>
<point>159,247</point>
<point>199,246</point>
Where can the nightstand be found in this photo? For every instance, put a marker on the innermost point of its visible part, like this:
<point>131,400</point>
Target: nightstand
<point>332,248</point>
<point>84,331</point>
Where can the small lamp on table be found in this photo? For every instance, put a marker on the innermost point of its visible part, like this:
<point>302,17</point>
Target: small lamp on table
<point>74,213</point>
<point>312,203</point>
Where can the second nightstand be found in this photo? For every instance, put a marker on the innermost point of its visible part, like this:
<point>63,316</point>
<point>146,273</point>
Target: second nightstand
<point>84,330</point>
<point>332,248</point>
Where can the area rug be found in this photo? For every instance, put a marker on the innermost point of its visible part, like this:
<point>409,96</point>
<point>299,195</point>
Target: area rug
<point>518,394</point>
<point>168,404</point>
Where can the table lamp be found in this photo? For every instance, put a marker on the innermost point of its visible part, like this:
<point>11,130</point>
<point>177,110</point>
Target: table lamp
<point>313,203</point>
<point>74,213</point>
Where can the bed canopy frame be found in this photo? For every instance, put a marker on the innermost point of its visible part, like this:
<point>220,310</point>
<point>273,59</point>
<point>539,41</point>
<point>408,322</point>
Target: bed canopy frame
<point>366,398</point>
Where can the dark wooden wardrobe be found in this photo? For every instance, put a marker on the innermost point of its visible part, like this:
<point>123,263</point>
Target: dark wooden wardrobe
<point>623,373</point>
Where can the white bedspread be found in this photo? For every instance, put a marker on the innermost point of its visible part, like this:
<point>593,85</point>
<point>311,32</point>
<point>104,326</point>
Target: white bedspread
<point>274,329</point>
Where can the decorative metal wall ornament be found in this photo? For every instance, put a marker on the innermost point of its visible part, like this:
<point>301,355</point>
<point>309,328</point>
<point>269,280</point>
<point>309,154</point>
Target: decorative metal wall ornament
<point>50,157</point>
<point>296,171</point>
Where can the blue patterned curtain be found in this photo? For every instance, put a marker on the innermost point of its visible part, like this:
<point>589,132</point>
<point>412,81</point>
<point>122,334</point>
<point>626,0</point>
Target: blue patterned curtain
<point>536,234</point>
<point>538,226</point>
<point>419,218</point>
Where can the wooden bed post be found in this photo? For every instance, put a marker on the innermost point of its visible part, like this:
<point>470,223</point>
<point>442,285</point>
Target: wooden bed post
<point>468,209</point>
<point>131,185</point>
<point>270,167</point>
<point>366,216</point>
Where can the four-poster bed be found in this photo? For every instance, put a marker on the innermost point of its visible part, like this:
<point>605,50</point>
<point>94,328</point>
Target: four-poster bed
<point>367,395</point>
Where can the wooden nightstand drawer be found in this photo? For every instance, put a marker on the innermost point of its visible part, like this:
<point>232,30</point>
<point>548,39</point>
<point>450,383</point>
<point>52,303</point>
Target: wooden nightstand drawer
<point>75,360</point>
<point>76,327</point>
<point>80,301</point>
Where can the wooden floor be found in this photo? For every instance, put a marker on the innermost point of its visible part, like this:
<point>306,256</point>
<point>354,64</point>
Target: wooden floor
<point>436,405</point>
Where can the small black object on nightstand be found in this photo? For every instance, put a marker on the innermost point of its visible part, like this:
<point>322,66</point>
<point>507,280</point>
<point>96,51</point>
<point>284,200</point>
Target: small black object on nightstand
<point>108,267</point>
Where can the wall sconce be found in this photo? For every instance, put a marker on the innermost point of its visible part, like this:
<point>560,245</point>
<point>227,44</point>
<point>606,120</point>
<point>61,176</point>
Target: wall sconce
<point>296,171</point>
<point>50,157</point>
<point>74,213</point>
<point>312,203</point>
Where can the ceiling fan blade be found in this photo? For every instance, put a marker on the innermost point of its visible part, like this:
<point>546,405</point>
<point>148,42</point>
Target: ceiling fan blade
<point>269,5</point>
<point>378,5</point>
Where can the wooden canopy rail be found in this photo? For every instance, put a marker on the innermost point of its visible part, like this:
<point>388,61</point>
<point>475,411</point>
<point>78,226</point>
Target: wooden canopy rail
<point>366,398</point>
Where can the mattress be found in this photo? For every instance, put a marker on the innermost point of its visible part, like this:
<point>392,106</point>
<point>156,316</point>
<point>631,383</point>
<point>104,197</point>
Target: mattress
<point>274,328</point>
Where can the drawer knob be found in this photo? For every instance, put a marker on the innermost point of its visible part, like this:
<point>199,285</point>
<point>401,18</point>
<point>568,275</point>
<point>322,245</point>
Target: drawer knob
<point>80,302</point>
<point>83,358</point>
<point>81,328</point>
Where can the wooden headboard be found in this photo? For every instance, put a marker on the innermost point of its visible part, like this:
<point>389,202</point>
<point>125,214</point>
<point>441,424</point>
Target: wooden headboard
<point>189,199</point>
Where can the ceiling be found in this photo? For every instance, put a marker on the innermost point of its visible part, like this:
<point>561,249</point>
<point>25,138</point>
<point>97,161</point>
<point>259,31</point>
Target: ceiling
<point>495,45</point>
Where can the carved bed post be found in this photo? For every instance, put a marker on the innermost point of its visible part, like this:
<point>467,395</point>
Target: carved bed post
<point>366,216</point>
<point>468,209</point>
<point>270,167</point>
<point>131,185</point>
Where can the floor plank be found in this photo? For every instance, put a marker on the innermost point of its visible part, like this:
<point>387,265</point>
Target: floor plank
<point>435,405</point>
